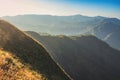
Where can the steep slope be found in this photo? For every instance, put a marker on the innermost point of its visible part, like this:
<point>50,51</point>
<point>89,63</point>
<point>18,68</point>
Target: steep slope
<point>108,30</point>
<point>106,27</point>
<point>29,52</point>
<point>83,58</point>
<point>113,39</point>
<point>12,69</point>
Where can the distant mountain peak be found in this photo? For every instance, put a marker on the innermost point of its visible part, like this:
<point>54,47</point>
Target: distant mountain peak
<point>112,20</point>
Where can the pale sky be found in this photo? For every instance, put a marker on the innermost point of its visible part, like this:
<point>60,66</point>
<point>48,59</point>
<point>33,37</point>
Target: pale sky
<point>108,8</point>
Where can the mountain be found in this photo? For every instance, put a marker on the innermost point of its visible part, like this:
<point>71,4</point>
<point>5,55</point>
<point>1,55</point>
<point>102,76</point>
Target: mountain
<point>101,27</point>
<point>24,58</point>
<point>113,40</point>
<point>83,57</point>
<point>70,25</point>
<point>108,30</point>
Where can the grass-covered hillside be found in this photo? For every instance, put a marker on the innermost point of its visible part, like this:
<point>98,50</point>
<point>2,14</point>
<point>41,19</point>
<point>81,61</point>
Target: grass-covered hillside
<point>11,68</point>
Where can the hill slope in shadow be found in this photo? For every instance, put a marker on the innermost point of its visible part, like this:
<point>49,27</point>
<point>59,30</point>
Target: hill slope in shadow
<point>83,58</point>
<point>29,52</point>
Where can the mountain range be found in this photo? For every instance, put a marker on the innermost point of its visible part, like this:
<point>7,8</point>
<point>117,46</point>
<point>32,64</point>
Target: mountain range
<point>82,57</point>
<point>104,28</point>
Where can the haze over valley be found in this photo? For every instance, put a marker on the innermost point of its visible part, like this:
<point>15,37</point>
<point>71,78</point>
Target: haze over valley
<point>104,28</point>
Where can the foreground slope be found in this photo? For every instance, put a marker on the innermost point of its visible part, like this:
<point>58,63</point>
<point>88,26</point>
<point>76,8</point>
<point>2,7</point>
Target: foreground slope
<point>12,69</point>
<point>84,58</point>
<point>29,52</point>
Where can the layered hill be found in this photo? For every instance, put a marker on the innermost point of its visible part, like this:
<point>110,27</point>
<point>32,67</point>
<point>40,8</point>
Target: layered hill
<point>83,57</point>
<point>71,25</point>
<point>22,57</point>
<point>106,29</point>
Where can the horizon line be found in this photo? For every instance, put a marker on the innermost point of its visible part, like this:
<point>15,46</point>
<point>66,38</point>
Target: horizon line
<point>60,15</point>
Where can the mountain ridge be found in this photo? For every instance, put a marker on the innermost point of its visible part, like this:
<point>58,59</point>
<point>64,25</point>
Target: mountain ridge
<point>29,52</point>
<point>71,25</point>
<point>83,57</point>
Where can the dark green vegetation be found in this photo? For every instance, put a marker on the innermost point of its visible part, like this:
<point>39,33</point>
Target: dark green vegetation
<point>83,58</point>
<point>106,29</point>
<point>29,52</point>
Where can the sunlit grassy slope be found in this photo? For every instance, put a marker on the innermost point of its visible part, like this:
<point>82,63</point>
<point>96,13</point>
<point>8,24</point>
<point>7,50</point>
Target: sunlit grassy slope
<point>11,68</point>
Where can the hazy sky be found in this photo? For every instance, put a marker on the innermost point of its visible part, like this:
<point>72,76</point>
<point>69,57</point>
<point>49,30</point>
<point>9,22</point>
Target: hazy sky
<point>109,8</point>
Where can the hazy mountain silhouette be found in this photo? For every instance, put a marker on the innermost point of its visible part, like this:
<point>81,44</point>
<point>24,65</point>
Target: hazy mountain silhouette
<point>83,58</point>
<point>29,52</point>
<point>71,25</point>
<point>101,27</point>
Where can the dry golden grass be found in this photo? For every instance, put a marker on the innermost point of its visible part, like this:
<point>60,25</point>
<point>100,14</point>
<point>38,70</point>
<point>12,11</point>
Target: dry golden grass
<point>12,69</point>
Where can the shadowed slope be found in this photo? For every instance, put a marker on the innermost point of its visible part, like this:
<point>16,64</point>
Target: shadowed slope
<point>83,57</point>
<point>29,52</point>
